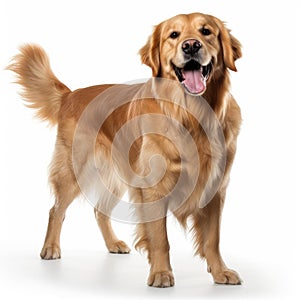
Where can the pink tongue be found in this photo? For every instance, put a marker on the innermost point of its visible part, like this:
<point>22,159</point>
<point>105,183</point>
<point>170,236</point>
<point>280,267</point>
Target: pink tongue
<point>194,81</point>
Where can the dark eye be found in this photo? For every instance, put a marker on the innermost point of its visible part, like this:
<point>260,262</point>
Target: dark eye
<point>205,31</point>
<point>174,35</point>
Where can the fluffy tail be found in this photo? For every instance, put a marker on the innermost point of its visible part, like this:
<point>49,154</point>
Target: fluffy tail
<point>41,89</point>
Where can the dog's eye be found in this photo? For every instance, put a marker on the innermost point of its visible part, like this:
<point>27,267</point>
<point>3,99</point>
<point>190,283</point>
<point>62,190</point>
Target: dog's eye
<point>205,31</point>
<point>174,35</point>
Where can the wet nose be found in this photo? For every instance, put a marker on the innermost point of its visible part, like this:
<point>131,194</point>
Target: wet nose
<point>191,46</point>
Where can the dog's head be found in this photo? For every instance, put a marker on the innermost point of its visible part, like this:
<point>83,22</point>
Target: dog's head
<point>192,49</point>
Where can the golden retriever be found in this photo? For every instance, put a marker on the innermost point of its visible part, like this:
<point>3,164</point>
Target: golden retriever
<point>170,142</point>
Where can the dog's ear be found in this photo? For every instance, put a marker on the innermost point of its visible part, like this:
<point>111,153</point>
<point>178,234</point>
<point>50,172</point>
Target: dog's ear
<point>150,52</point>
<point>231,47</point>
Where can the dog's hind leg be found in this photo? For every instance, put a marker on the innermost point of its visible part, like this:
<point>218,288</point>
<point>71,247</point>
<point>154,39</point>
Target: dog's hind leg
<point>65,189</point>
<point>113,244</point>
<point>109,191</point>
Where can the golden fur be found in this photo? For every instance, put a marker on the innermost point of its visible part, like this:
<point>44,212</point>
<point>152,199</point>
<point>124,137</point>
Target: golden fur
<point>212,43</point>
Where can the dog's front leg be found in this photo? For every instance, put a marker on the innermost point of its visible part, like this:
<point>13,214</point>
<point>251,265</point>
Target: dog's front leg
<point>152,237</point>
<point>207,238</point>
<point>160,269</point>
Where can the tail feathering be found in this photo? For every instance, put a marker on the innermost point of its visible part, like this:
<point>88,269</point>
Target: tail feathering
<point>41,89</point>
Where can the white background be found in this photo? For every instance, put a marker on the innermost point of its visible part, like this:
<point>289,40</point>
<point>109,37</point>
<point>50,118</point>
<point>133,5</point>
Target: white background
<point>92,42</point>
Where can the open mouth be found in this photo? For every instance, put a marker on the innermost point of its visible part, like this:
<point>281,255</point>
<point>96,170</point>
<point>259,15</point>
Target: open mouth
<point>193,76</point>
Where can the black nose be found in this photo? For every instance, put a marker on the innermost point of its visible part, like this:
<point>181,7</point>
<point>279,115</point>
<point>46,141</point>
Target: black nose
<point>191,46</point>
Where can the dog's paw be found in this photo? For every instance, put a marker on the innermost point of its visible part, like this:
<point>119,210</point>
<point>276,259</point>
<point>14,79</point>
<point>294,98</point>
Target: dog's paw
<point>119,247</point>
<point>161,279</point>
<point>50,252</point>
<point>227,277</point>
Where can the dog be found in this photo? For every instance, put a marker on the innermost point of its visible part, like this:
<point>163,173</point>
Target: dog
<point>182,121</point>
